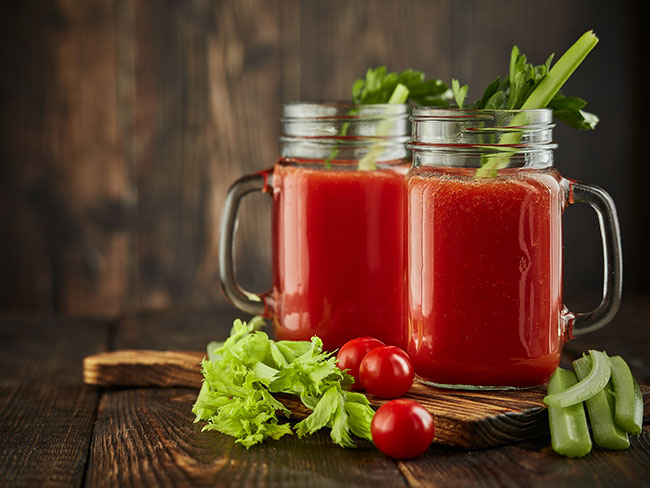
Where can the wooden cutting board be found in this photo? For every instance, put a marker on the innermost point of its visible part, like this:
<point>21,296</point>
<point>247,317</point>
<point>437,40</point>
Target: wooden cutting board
<point>470,419</point>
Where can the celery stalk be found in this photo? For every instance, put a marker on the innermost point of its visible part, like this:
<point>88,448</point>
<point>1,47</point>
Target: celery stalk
<point>399,95</point>
<point>561,71</point>
<point>590,384</point>
<point>568,425</point>
<point>384,128</point>
<point>601,412</point>
<point>628,399</point>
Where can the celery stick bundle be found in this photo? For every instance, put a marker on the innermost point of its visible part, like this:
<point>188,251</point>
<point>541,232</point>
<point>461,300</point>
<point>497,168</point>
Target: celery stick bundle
<point>611,395</point>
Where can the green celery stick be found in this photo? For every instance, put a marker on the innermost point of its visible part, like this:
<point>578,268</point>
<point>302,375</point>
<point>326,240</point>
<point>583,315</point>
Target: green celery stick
<point>561,71</point>
<point>593,381</point>
<point>601,412</point>
<point>541,96</point>
<point>569,431</point>
<point>628,399</point>
<point>384,127</point>
<point>399,95</point>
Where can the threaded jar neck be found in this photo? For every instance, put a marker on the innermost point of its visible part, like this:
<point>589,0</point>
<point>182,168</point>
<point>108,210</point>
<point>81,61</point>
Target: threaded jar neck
<point>468,138</point>
<point>344,131</point>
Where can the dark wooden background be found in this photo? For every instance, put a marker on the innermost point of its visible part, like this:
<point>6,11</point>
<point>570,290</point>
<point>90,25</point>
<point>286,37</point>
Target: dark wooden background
<point>123,123</point>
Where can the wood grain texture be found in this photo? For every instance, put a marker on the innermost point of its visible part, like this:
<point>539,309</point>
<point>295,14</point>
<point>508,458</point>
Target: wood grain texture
<point>470,419</point>
<point>182,328</point>
<point>65,190</point>
<point>339,40</point>
<point>148,435</point>
<point>46,414</point>
<point>530,464</point>
<point>142,367</point>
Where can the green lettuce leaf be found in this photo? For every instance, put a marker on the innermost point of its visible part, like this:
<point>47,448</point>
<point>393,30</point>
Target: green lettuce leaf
<point>242,373</point>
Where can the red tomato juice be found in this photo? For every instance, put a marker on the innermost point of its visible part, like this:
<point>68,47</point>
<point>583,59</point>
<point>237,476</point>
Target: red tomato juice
<point>339,253</point>
<point>485,276</point>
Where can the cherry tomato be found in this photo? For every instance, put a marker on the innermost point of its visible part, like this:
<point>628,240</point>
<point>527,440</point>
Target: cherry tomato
<point>402,429</point>
<point>386,372</point>
<point>351,354</point>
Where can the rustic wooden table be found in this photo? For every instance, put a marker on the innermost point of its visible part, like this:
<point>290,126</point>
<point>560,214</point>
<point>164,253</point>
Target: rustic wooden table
<point>56,431</point>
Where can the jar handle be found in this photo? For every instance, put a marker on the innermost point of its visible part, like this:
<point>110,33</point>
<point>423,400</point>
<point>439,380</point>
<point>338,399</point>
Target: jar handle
<point>602,203</point>
<point>245,300</point>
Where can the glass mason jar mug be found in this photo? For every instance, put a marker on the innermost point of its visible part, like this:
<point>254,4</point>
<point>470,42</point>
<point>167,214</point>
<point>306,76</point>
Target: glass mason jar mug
<point>484,246</point>
<point>339,214</point>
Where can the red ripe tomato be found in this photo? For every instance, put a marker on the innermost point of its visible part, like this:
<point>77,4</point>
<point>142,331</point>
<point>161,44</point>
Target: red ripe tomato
<point>351,354</point>
<point>386,372</point>
<point>402,429</point>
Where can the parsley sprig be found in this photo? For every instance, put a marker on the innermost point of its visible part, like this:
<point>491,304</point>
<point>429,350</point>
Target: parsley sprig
<point>379,85</point>
<point>242,374</point>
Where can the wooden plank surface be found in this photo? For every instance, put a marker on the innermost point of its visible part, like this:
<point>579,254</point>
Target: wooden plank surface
<point>46,414</point>
<point>145,437</point>
<point>143,367</point>
<point>531,464</point>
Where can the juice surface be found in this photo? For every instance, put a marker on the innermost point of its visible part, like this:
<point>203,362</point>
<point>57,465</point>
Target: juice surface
<point>485,276</point>
<point>339,253</point>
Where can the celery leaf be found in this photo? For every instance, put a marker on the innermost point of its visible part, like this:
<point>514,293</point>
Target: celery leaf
<point>379,84</point>
<point>243,372</point>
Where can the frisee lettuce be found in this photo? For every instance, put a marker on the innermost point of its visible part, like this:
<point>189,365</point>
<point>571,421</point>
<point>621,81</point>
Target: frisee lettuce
<point>242,373</point>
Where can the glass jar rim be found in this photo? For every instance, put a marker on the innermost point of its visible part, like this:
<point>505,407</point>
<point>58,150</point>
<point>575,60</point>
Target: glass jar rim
<point>428,112</point>
<point>341,110</point>
<point>344,130</point>
<point>469,137</point>
<point>339,103</point>
<point>435,127</point>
